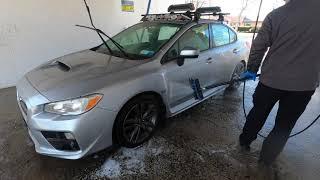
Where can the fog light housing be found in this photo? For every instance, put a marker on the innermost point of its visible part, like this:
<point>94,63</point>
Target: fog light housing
<point>69,136</point>
<point>63,141</point>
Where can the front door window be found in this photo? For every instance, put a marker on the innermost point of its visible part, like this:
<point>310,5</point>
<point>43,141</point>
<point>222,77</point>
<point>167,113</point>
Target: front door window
<point>197,37</point>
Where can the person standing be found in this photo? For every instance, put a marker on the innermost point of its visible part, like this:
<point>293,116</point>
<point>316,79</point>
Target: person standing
<point>290,73</point>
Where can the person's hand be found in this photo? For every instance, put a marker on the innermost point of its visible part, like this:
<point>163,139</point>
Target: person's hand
<point>249,75</point>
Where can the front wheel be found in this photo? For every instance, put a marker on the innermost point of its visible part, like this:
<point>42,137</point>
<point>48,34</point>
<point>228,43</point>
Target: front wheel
<point>137,121</point>
<point>236,75</point>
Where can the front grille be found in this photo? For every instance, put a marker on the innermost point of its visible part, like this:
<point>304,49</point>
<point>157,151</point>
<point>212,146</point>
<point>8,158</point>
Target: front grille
<point>24,107</point>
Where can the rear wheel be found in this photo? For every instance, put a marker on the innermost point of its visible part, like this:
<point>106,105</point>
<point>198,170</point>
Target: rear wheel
<point>236,75</point>
<point>137,121</point>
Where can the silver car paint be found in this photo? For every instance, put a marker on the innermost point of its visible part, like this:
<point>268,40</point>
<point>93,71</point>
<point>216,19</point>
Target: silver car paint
<point>118,80</point>
<point>90,129</point>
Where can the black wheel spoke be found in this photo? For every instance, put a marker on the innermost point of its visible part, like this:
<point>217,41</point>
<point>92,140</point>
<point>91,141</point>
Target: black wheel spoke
<point>131,121</point>
<point>130,127</point>
<point>134,132</point>
<point>136,110</point>
<point>149,113</point>
<point>139,111</point>
<point>138,135</point>
<point>149,124</point>
<point>139,122</point>
<point>148,127</point>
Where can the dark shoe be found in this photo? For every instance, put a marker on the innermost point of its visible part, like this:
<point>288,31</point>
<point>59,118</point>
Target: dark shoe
<point>264,163</point>
<point>265,170</point>
<point>245,147</point>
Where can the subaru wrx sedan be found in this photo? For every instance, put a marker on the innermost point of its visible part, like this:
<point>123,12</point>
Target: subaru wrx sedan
<point>84,102</point>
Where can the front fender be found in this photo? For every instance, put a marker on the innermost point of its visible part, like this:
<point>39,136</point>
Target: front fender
<point>117,95</point>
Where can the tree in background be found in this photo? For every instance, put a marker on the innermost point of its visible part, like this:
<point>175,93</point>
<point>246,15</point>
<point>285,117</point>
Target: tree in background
<point>244,6</point>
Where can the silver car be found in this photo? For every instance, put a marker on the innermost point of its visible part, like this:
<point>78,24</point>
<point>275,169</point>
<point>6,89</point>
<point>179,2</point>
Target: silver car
<point>84,102</point>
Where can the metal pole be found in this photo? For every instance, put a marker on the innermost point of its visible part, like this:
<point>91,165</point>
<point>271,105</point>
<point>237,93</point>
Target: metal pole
<point>256,25</point>
<point>149,4</point>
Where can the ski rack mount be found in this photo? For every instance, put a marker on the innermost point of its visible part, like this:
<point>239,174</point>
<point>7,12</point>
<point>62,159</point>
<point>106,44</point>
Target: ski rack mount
<point>185,13</point>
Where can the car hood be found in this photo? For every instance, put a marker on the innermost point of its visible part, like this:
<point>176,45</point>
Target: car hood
<point>78,74</point>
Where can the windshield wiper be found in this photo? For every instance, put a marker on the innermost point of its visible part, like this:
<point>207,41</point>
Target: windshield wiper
<point>113,41</point>
<point>99,32</point>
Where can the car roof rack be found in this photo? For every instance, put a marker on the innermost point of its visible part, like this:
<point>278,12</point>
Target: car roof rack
<point>210,11</point>
<point>185,13</point>
<point>181,7</point>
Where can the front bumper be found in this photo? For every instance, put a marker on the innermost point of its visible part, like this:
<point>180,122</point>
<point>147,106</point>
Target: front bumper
<point>92,130</point>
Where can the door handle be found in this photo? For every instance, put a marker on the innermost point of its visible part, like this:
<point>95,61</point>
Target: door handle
<point>209,60</point>
<point>235,51</point>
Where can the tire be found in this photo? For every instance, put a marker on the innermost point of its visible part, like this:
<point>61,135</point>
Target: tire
<point>240,68</point>
<point>137,121</point>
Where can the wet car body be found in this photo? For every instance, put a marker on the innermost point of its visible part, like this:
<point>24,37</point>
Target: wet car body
<point>117,80</point>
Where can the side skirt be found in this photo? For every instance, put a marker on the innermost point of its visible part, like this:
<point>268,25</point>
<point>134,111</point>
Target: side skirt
<point>192,101</point>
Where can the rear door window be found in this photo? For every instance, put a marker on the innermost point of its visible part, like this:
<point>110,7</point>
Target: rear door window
<point>220,34</point>
<point>233,36</point>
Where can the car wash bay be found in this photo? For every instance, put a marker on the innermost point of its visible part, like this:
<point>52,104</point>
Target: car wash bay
<point>200,143</point>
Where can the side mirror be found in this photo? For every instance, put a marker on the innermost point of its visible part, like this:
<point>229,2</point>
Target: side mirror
<point>187,53</point>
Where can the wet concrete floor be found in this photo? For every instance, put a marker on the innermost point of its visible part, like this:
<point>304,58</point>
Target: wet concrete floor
<point>200,143</point>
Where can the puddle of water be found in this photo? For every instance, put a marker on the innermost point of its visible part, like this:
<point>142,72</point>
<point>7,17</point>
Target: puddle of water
<point>131,161</point>
<point>110,169</point>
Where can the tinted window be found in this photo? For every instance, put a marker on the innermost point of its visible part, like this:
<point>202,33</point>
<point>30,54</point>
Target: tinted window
<point>173,52</point>
<point>166,32</point>
<point>197,37</point>
<point>233,36</point>
<point>142,40</point>
<point>220,35</point>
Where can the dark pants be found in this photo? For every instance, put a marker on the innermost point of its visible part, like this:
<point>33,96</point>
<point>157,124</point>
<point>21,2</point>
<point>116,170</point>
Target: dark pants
<point>291,105</point>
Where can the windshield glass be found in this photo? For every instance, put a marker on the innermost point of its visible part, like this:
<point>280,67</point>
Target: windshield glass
<point>142,40</point>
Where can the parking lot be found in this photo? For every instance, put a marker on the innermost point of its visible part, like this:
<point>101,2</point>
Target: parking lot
<point>200,143</point>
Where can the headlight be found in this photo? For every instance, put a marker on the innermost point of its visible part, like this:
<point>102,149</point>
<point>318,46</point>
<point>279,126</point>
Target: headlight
<point>74,106</point>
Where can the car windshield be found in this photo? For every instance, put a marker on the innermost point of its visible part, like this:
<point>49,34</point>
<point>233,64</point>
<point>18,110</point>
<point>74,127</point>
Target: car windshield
<point>142,40</point>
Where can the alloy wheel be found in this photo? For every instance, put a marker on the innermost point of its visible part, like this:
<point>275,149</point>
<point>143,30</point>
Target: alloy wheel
<point>140,122</point>
<point>237,75</point>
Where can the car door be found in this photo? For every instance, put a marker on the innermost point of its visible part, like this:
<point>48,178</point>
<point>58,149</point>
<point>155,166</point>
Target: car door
<point>180,93</point>
<point>224,53</point>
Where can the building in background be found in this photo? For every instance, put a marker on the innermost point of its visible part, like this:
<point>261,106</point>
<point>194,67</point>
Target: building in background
<point>251,23</point>
<point>245,24</point>
<point>35,31</point>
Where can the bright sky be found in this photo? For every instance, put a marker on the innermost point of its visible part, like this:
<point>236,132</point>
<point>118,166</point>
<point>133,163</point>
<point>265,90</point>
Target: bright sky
<point>233,7</point>
<point>229,6</point>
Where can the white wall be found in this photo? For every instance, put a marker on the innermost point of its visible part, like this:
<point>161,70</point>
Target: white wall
<point>161,6</point>
<point>35,31</point>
